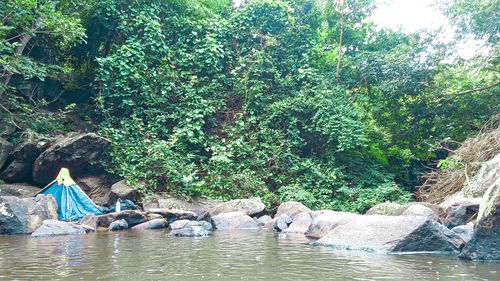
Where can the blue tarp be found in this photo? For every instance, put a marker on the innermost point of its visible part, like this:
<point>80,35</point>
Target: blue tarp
<point>72,203</point>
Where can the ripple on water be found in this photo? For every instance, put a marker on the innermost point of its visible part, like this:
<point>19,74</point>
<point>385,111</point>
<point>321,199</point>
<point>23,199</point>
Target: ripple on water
<point>153,255</point>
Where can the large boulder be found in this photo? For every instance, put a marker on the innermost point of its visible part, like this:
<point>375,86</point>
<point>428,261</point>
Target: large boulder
<point>188,228</point>
<point>325,220</point>
<point>485,241</point>
<point>72,152</point>
<point>152,224</point>
<point>55,228</point>
<point>418,210</point>
<point>171,215</point>
<point>95,186</point>
<point>233,220</point>
<point>120,190</point>
<point>300,223</point>
<point>19,190</point>
<point>5,149</point>
<point>291,208</point>
<point>25,215</point>
<point>132,217</point>
<point>247,206</point>
<point>385,234</point>
<point>386,208</point>
<point>20,161</point>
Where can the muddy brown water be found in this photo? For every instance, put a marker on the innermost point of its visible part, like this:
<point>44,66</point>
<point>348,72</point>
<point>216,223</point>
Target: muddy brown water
<point>152,255</point>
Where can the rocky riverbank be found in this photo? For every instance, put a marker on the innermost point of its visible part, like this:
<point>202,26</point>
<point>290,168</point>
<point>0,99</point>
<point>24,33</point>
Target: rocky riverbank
<point>419,228</point>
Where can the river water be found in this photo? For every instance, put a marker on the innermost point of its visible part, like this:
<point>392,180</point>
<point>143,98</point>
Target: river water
<point>152,255</point>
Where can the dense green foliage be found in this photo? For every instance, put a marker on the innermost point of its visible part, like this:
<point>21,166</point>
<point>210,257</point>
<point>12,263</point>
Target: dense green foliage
<point>286,100</point>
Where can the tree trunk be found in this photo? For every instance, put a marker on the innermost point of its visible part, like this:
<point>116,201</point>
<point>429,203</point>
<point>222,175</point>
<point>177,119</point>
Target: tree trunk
<point>342,8</point>
<point>18,51</point>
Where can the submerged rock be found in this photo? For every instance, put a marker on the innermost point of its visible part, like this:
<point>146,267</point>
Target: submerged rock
<point>118,225</point>
<point>25,215</point>
<point>152,224</point>
<point>72,152</point>
<point>188,228</point>
<point>282,222</point>
<point>233,220</point>
<point>247,206</point>
<point>386,234</point>
<point>300,223</point>
<point>172,215</point>
<point>55,228</point>
<point>291,208</point>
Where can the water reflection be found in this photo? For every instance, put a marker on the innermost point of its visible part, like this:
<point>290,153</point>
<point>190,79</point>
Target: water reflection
<point>152,255</point>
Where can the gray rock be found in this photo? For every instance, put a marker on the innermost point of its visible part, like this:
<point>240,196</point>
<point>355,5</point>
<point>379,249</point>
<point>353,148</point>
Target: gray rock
<point>90,222</point>
<point>132,217</point>
<point>6,128</point>
<point>118,225</point>
<point>25,215</point>
<point>19,190</point>
<point>439,213</point>
<point>464,231</point>
<point>5,149</point>
<point>188,228</point>
<point>172,215</point>
<point>233,220</point>
<point>461,214</point>
<point>72,152</point>
<point>282,222</point>
<point>291,208</point>
<point>55,228</point>
<point>300,223</point>
<point>386,234</point>
<point>263,220</point>
<point>199,206</point>
<point>152,224</point>
<point>485,241</point>
<point>247,206</point>
<point>418,210</point>
<point>325,220</point>
<point>20,161</point>
<point>96,187</point>
<point>120,190</point>
<point>386,208</point>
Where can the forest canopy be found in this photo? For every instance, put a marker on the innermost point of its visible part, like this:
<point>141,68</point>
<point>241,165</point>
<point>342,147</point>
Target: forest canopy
<point>302,100</point>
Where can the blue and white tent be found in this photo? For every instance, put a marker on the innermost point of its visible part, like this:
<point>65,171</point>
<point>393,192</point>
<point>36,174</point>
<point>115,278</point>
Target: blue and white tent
<point>72,203</point>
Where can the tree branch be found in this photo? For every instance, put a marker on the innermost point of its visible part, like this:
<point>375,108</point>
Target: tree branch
<point>472,91</point>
